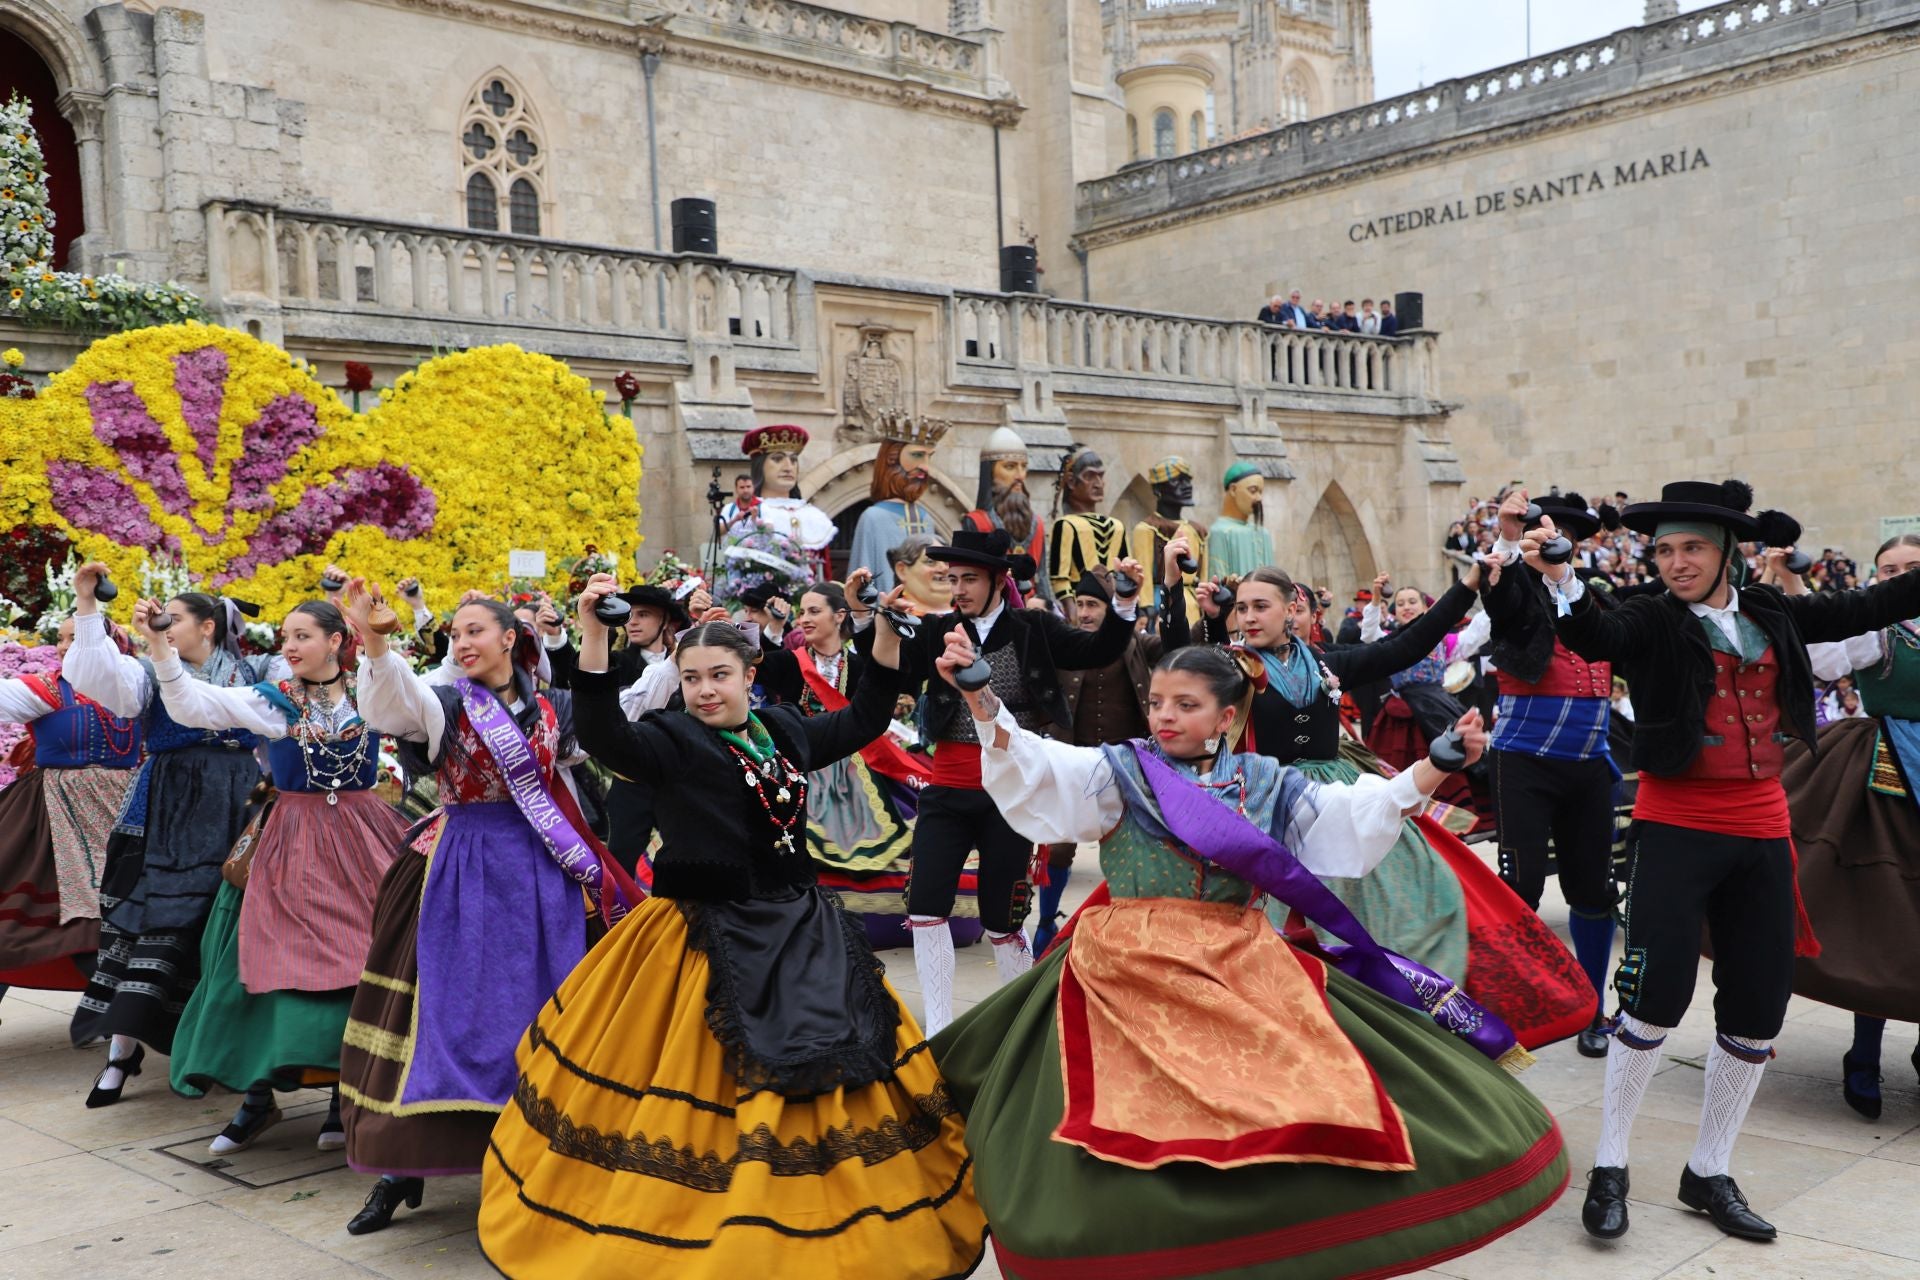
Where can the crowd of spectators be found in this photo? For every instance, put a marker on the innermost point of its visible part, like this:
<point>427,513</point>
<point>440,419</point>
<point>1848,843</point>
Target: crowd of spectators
<point>1366,317</point>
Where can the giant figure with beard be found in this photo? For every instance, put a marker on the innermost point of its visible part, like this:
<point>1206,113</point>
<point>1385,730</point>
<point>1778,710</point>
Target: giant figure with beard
<point>1239,542</point>
<point>1002,502</point>
<point>900,476</point>
<point>1082,538</point>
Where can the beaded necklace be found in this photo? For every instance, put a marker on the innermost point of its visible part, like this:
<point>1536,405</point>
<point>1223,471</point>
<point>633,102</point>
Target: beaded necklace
<point>329,736</point>
<point>760,764</point>
<point>834,668</point>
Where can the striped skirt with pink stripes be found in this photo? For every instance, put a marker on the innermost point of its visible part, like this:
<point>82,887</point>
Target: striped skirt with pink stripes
<point>307,916</point>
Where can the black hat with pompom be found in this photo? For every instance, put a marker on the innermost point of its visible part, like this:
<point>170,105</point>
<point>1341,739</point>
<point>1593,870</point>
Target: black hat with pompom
<point>1725,504</point>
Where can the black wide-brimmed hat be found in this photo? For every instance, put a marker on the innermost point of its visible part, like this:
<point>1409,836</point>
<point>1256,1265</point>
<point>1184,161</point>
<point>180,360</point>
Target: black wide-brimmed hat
<point>1573,517</point>
<point>648,596</point>
<point>1725,504</point>
<point>988,550</point>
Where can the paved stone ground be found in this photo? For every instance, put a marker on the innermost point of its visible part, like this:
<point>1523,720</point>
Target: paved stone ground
<point>131,1191</point>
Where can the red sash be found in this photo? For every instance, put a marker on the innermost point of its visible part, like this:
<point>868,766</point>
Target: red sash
<point>883,755</point>
<point>1756,810</point>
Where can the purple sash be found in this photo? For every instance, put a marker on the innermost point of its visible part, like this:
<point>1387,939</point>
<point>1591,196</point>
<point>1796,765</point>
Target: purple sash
<point>1223,835</point>
<point>528,790</point>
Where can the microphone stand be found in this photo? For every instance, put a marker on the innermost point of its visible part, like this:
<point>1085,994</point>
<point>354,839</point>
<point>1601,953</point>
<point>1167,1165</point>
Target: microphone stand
<point>716,499</point>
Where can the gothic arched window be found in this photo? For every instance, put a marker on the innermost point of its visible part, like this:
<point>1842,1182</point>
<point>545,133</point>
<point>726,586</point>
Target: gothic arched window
<point>1163,133</point>
<point>1296,97</point>
<point>503,158</point>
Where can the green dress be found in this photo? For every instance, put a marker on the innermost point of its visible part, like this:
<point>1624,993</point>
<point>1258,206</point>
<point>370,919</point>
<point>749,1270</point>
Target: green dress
<point>1485,1154</point>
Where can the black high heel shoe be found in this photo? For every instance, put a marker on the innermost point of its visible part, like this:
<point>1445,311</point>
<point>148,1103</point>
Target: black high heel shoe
<point>129,1068</point>
<point>386,1196</point>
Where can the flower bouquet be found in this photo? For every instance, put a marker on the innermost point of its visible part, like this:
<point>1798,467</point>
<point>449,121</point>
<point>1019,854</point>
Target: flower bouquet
<point>760,558</point>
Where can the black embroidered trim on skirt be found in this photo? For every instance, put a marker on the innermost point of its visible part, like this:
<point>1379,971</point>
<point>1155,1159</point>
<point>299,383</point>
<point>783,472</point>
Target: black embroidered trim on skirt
<point>662,1158</point>
<point>864,1056</point>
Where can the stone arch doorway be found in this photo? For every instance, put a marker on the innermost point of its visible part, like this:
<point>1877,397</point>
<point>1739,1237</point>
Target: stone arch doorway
<point>1338,555</point>
<point>25,72</point>
<point>839,486</point>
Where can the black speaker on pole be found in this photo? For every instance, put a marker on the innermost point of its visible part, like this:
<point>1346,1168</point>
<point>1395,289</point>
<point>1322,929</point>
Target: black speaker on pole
<point>1407,307</point>
<point>1019,269</point>
<point>696,227</point>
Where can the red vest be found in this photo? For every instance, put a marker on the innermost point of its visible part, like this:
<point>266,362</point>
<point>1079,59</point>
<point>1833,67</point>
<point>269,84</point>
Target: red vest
<point>1743,739</point>
<point>1568,676</point>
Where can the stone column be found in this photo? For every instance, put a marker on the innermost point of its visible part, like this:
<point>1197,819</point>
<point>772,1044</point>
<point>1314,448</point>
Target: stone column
<point>86,112</point>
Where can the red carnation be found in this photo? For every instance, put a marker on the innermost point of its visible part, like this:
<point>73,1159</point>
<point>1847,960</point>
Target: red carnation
<point>359,376</point>
<point>627,385</point>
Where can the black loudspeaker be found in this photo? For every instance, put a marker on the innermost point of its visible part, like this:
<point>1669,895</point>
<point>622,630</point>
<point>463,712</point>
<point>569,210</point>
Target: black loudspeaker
<point>696,227</point>
<point>1019,269</point>
<point>1407,306</point>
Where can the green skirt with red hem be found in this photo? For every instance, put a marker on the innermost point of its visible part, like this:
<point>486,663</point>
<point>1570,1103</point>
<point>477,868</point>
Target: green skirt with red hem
<point>1488,1158</point>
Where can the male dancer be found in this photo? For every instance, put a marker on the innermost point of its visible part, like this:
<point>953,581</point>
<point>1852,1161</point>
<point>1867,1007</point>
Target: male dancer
<point>1027,649</point>
<point>1551,772</point>
<point>1720,679</point>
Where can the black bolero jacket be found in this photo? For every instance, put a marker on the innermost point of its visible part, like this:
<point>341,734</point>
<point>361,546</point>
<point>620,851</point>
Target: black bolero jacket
<point>1289,733</point>
<point>717,843</point>
<point>1661,649</point>
<point>1046,643</point>
<point>1523,631</point>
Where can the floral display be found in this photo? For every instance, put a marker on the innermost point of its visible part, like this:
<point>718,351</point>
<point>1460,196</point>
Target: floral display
<point>223,451</point>
<point>31,291</point>
<point>760,558</point>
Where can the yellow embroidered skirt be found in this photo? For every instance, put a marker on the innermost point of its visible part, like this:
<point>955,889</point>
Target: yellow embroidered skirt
<point>630,1148</point>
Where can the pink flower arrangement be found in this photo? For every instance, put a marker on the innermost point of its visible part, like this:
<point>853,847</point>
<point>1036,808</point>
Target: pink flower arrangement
<point>387,497</point>
<point>15,661</point>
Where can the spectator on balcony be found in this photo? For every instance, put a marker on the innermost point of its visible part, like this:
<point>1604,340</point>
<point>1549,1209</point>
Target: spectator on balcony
<point>1293,313</point>
<point>1389,323</point>
<point>1274,312</point>
<point>1346,318</point>
<point>1317,317</point>
<point>1369,318</point>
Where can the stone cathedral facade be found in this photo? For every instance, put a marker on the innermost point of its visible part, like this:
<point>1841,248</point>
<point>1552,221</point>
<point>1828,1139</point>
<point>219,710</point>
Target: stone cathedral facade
<point>373,180</point>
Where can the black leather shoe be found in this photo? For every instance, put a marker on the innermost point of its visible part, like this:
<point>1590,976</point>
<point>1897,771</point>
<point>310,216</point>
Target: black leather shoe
<point>1604,1215</point>
<point>129,1068</point>
<point>1720,1199</point>
<point>1852,1076</point>
<point>385,1197</point>
<point>1593,1041</point>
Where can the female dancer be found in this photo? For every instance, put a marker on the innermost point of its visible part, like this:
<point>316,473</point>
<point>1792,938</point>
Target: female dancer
<point>1251,1110</point>
<point>857,832</point>
<point>1856,824</point>
<point>727,1086</point>
<point>54,821</point>
<point>1421,685</point>
<point>279,962</point>
<point>187,807</point>
<point>1413,901</point>
<point>481,915</point>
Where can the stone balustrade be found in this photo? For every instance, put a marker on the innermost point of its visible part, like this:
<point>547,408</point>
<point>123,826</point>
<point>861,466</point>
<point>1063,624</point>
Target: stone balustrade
<point>303,276</point>
<point>1723,35</point>
<point>894,49</point>
<point>1153,349</point>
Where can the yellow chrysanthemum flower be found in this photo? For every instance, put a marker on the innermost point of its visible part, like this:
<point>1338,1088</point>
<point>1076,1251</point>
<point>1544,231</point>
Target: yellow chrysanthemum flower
<point>13,357</point>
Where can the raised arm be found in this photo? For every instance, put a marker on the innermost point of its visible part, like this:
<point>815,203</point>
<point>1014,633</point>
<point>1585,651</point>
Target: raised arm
<point>652,691</point>
<point>1840,615</point>
<point>198,705</point>
<point>1368,663</point>
<point>97,670</point>
<point>395,701</point>
<point>638,750</point>
<point>1472,638</point>
<point>1050,792</point>
<point>1833,659</point>
<point>1077,650</point>
<point>1348,829</point>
